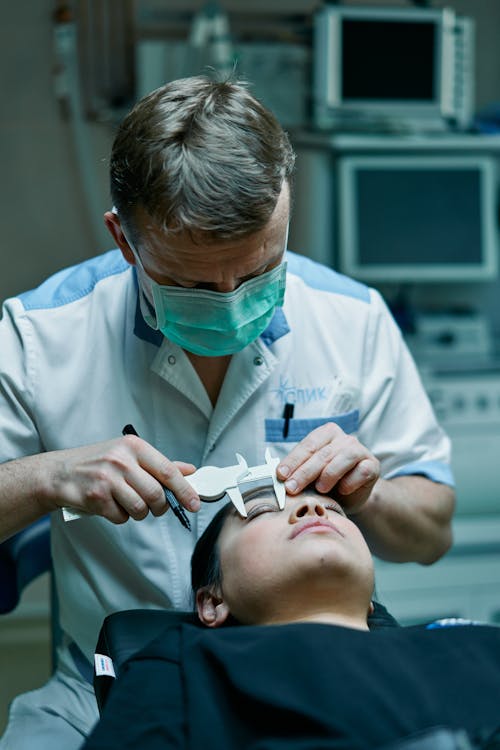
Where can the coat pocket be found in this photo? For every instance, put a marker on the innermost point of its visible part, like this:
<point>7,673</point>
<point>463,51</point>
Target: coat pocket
<point>299,428</point>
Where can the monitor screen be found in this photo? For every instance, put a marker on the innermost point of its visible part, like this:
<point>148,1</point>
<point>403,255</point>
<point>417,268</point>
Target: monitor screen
<point>395,69</point>
<point>418,218</point>
<point>388,60</point>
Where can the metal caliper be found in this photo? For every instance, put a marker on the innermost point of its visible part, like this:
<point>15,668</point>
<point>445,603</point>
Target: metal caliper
<point>213,482</point>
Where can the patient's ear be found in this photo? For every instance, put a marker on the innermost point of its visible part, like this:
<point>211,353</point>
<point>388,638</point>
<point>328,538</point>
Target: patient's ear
<point>212,609</point>
<point>371,609</point>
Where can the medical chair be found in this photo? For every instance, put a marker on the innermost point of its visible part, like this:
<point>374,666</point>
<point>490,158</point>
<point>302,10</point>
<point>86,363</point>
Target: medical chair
<point>24,557</point>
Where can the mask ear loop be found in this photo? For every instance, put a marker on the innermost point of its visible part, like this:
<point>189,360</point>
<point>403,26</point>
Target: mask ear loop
<point>146,301</point>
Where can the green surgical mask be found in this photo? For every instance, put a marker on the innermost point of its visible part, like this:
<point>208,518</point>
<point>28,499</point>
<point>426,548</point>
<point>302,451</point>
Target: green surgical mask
<point>213,324</point>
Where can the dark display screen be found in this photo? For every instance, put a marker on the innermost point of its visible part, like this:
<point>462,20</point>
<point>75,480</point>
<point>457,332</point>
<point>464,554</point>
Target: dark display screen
<point>388,60</point>
<point>419,217</point>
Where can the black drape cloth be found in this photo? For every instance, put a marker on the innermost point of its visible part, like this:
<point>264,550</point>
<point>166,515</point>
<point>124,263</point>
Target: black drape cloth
<point>301,687</point>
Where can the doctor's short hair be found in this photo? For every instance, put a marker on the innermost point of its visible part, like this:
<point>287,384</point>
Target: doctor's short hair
<point>201,156</point>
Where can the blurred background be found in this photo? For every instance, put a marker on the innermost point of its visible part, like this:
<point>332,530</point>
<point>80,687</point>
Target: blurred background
<point>394,111</point>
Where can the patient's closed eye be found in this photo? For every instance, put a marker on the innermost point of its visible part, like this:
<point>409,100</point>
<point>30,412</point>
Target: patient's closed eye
<point>258,510</point>
<point>336,508</point>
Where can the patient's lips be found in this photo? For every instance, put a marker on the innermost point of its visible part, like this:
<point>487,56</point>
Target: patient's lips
<point>314,526</point>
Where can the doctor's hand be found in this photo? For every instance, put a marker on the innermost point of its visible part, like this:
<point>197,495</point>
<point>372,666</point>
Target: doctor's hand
<point>117,479</point>
<point>336,463</point>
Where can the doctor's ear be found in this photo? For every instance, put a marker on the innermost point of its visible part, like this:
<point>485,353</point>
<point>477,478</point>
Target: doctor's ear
<point>212,609</point>
<point>114,227</point>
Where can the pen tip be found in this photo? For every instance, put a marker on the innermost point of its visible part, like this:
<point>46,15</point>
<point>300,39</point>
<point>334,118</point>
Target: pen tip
<point>179,512</point>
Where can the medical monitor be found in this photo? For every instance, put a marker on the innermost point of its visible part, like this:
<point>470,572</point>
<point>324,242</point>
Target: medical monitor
<point>418,218</point>
<point>404,68</point>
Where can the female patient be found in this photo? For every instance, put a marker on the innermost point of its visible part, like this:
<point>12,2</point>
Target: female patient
<point>300,669</point>
<point>310,564</point>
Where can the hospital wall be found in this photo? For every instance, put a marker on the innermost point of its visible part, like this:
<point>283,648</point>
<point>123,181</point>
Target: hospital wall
<point>49,216</point>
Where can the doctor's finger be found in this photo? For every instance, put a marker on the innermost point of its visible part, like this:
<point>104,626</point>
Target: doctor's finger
<point>309,446</point>
<point>362,475</point>
<point>131,502</point>
<point>346,458</point>
<point>111,498</point>
<point>169,474</point>
<point>185,468</point>
<point>324,466</point>
<point>142,494</point>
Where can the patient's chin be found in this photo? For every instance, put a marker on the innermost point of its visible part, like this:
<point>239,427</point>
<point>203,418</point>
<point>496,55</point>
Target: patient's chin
<point>331,568</point>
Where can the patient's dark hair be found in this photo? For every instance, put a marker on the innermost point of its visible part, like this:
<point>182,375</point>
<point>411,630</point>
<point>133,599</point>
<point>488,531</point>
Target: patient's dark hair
<point>205,563</point>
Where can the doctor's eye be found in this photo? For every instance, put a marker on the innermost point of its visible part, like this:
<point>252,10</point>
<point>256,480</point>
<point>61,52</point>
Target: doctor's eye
<point>259,510</point>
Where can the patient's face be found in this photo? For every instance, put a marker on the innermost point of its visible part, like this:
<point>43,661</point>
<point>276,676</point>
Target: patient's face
<point>310,552</point>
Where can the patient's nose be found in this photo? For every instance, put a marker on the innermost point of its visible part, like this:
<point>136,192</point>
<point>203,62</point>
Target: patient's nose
<point>309,507</point>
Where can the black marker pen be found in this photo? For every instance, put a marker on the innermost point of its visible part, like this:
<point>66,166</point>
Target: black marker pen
<point>169,495</point>
<point>287,416</point>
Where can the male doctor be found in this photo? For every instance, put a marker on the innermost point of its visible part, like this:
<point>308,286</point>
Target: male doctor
<point>202,331</point>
